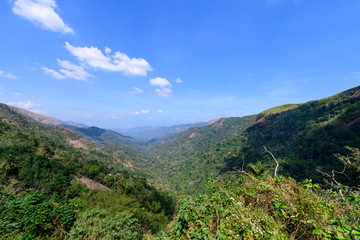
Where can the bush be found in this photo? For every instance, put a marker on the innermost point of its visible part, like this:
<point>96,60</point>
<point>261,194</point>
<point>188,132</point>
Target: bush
<point>95,224</point>
<point>31,215</point>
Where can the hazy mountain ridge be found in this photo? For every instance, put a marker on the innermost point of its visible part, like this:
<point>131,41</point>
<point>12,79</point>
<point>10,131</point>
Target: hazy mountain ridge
<point>149,133</point>
<point>122,146</point>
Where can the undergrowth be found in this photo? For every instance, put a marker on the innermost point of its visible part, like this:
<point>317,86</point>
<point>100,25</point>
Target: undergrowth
<point>267,208</point>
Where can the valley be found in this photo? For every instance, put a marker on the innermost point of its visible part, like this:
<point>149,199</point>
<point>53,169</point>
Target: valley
<point>76,175</point>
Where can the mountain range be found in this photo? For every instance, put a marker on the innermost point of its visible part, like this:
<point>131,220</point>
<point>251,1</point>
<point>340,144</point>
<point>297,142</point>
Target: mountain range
<point>44,159</point>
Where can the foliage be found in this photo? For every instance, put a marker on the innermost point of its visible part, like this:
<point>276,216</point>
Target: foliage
<point>352,161</point>
<point>32,215</point>
<point>178,159</point>
<point>42,158</point>
<point>97,224</point>
<point>262,208</point>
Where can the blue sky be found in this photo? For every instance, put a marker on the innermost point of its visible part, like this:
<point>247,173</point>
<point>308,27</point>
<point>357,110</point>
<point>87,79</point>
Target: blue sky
<point>121,64</point>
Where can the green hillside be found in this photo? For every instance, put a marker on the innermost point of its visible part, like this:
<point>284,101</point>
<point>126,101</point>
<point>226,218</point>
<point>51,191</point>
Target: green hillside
<point>177,158</point>
<point>303,138</point>
<point>54,184</point>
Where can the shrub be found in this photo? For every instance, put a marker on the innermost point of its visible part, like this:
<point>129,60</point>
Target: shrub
<point>95,224</point>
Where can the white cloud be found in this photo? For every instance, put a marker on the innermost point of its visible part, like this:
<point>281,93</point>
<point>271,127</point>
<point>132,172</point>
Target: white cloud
<point>115,116</point>
<point>107,50</point>
<point>160,111</point>
<point>41,13</point>
<point>353,75</point>
<point>118,62</point>
<point>38,111</point>
<point>164,92</point>
<point>142,112</point>
<point>137,90</point>
<point>178,80</point>
<point>160,82</point>
<point>17,94</point>
<point>26,105</point>
<point>164,85</point>
<point>87,115</point>
<point>7,75</point>
<point>356,75</point>
<point>69,70</point>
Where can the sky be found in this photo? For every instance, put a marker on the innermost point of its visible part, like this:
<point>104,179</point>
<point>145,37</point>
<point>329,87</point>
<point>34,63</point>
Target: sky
<point>122,64</point>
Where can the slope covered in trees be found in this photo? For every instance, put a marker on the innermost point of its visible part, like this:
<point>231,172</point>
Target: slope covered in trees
<point>123,147</point>
<point>178,157</point>
<point>42,197</point>
<point>303,138</point>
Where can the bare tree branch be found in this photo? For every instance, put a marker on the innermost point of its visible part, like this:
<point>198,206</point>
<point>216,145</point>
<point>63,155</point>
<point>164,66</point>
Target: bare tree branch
<point>277,163</point>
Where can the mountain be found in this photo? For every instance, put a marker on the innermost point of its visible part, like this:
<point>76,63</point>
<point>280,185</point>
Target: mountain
<point>37,117</point>
<point>149,133</point>
<point>75,124</point>
<point>177,157</point>
<point>123,147</point>
<point>69,182</point>
<point>303,138</point>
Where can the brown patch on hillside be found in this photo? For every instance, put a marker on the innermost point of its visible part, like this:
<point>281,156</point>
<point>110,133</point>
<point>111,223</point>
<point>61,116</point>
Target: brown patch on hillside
<point>218,123</point>
<point>212,121</point>
<point>353,122</point>
<point>193,135</point>
<point>92,184</point>
<point>78,143</point>
<point>356,94</point>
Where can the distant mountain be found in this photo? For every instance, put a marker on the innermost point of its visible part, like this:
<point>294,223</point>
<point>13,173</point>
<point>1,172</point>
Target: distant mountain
<point>37,117</point>
<point>148,133</point>
<point>75,124</point>
<point>123,147</point>
<point>177,157</point>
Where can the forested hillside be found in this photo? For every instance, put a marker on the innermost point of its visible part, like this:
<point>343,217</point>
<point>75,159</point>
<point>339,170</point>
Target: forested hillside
<point>54,184</point>
<point>302,137</point>
<point>122,147</point>
<point>178,157</point>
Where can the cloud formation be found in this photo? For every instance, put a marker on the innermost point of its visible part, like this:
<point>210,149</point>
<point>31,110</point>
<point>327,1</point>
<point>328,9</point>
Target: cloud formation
<point>41,13</point>
<point>7,75</point>
<point>164,85</point>
<point>68,70</point>
<point>137,90</point>
<point>178,80</point>
<point>26,105</point>
<point>142,112</point>
<point>118,62</point>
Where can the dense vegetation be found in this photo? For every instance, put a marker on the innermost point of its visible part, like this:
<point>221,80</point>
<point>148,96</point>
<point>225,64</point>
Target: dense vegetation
<point>178,157</point>
<point>262,207</point>
<point>41,195</point>
<point>303,138</point>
